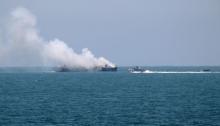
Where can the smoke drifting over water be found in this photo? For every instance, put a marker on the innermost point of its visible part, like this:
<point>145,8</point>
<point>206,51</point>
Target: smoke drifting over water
<point>25,47</point>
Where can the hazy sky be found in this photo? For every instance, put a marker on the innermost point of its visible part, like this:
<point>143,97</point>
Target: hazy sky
<point>131,32</point>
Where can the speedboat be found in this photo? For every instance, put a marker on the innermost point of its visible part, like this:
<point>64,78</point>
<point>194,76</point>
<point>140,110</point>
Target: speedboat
<point>136,69</point>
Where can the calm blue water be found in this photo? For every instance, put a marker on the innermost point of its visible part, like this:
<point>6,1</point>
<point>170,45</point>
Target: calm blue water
<point>30,97</point>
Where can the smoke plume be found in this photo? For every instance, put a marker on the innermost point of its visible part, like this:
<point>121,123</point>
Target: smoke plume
<point>25,47</point>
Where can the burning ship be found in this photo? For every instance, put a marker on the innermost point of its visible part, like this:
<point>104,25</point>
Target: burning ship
<point>65,68</point>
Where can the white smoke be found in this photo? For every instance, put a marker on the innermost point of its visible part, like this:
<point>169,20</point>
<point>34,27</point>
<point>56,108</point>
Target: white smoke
<point>25,47</point>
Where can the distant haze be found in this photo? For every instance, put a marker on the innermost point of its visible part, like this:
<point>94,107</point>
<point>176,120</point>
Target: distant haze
<point>126,32</point>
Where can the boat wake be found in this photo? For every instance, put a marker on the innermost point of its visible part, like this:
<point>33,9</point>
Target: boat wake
<point>173,72</point>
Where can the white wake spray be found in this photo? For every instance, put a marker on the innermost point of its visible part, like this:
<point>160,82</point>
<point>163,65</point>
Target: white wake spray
<point>25,47</point>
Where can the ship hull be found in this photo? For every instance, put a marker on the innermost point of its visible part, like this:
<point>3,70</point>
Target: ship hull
<point>109,69</point>
<point>66,69</point>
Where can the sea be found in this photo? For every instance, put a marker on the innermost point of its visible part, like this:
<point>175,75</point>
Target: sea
<point>165,96</point>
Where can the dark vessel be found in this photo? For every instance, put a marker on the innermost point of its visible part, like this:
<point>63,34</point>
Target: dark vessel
<point>136,69</point>
<point>62,69</point>
<point>108,68</point>
<point>206,70</point>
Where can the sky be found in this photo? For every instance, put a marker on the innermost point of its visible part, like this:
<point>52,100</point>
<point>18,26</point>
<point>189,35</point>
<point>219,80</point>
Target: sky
<point>130,32</point>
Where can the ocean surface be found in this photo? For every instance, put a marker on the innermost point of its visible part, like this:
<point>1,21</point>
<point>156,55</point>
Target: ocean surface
<point>165,96</point>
